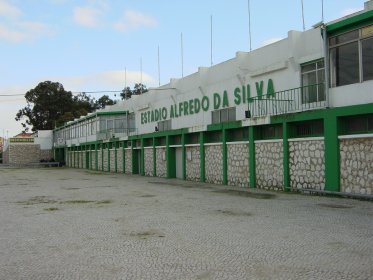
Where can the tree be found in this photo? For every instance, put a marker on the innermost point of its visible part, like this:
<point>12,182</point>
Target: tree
<point>104,101</point>
<point>126,93</point>
<point>137,90</point>
<point>50,105</point>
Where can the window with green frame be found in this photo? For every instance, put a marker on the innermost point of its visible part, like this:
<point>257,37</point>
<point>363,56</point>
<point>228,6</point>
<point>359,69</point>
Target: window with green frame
<point>268,132</point>
<point>313,128</point>
<point>356,124</point>
<point>313,78</point>
<point>351,57</point>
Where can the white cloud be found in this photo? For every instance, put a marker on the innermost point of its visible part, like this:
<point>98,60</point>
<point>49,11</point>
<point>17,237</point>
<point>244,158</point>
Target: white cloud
<point>11,35</point>
<point>270,41</point>
<point>9,10</point>
<point>109,80</point>
<point>86,16</point>
<point>23,30</point>
<point>134,20</point>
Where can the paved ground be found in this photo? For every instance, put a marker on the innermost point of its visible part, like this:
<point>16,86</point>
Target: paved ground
<point>74,224</point>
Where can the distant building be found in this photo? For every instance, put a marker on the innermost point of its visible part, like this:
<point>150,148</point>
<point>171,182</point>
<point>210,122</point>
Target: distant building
<point>27,148</point>
<point>293,115</point>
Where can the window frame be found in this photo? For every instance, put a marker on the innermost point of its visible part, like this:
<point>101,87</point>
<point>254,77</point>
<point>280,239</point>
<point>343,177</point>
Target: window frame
<point>334,46</point>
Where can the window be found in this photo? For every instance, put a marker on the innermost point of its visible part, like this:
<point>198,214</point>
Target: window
<point>110,124</point>
<point>164,125</point>
<point>357,124</point>
<point>270,132</point>
<point>313,78</point>
<point>223,115</point>
<point>367,57</point>
<point>351,57</point>
<point>312,128</point>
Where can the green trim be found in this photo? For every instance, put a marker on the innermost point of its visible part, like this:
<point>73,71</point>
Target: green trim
<point>154,159</point>
<point>252,162</point>
<point>116,158</point>
<point>331,154</point>
<point>142,158</point>
<point>96,156</point>
<point>123,158</point>
<point>351,22</point>
<point>108,158</point>
<point>170,159</point>
<point>102,158</point>
<point>202,156</point>
<point>225,125</point>
<point>286,162</point>
<point>225,157</point>
<point>183,155</point>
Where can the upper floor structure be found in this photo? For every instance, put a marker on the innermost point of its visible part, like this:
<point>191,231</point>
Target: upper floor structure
<point>328,66</point>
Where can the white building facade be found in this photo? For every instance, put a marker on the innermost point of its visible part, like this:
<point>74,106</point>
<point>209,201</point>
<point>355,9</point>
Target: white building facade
<point>293,115</point>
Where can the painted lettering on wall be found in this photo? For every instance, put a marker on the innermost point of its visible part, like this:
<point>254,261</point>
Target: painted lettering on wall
<point>241,94</point>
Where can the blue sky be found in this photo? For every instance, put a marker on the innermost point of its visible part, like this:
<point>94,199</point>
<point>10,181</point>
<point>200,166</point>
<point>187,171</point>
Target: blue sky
<point>87,44</point>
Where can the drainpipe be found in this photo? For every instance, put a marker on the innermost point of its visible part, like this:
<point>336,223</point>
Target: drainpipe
<point>326,66</point>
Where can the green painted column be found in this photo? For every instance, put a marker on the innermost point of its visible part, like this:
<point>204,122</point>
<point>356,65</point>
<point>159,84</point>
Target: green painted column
<point>96,156</point>
<point>108,156</point>
<point>115,157</point>
<point>102,158</point>
<point>142,157</point>
<point>202,156</point>
<point>331,146</point>
<point>286,164</point>
<point>154,158</point>
<point>225,158</point>
<point>132,157</point>
<point>168,157</point>
<point>183,155</point>
<point>252,161</point>
<point>124,157</point>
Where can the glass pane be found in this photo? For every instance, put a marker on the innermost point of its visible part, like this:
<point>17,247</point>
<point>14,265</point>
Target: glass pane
<point>320,64</point>
<point>110,124</point>
<point>224,115</point>
<point>102,125</point>
<point>367,57</point>
<point>308,67</point>
<point>215,117</point>
<point>346,64</point>
<point>308,91</point>
<point>346,37</point>
<point>232,114</point>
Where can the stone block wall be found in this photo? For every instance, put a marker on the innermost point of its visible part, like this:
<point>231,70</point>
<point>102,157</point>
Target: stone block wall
<point>20,154</point>
<point>46,154</point>
<point>214,164</point>
<point>161,165</point>
<point>112,160</point>
<point>82,159</point>
<point>76,159</point>
<point>68,159</point>
<point>128,158</point>
<point>238,164</point>
<point>269,165</point>
<point>106,159</point>
<point>193,166</point>
<point>356,165</point>
<point>6,156</point>
<point>93,160</point>
<point>120,160</point>
<point>149,161</point>
<point>307,164</point>
<point>99,159</point>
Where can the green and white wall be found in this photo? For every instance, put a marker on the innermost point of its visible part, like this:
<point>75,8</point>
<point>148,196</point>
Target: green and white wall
<point>326,146</point>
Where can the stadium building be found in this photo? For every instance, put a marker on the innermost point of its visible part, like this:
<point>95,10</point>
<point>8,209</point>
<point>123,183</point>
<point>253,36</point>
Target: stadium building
<point>293,115</point>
